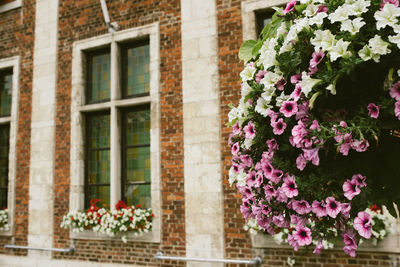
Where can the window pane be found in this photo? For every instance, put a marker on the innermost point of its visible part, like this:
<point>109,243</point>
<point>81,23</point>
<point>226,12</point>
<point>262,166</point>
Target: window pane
<point>5,93</point>
<point>262,19</point>
<point>4,147</point>
<point>137,70</point>
<point>99,68</point>
<point>138,164</point>
<point>138,127</point>
<point>138,194</point>
<point>98,158</point>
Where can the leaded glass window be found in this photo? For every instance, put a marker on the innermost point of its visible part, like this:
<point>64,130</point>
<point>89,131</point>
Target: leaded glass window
<point>6,78</point>
<point>136,156</point>
<point>136,69</point>
<point>4,148</point>
<point>98,158</point>
<point>98,76</point>
<point>263,18</point>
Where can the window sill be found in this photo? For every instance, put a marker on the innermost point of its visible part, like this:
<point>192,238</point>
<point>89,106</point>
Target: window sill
<point>390,244</point>
<point>10,6</point>
<point>150,237</point>
<point>7,233</point>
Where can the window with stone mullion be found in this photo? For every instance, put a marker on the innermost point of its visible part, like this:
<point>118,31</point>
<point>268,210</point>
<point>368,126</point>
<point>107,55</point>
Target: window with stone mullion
<point>4,149</point>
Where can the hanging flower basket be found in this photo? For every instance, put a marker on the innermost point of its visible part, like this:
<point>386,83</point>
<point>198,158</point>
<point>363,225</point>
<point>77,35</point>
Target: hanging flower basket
<point>4,220</point>
<point>314,135</point>
<point>123,219</point>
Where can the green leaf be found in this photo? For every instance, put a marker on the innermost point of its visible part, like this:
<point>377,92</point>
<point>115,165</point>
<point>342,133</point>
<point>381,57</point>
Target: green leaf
<point>270,29</point>
<point>257,48</point>
<point>245,52</point>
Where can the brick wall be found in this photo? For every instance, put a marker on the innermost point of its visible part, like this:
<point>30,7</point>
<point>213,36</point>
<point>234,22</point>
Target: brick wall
<point>83,19</point>
<point>17,39</point>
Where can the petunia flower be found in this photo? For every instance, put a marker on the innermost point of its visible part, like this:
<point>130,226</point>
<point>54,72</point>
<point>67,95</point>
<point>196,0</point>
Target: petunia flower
<point>289,108</point>
<point>245,209</point>
<point>363,224</point>
<point>249,130</point>
<point>251,179</point>
<point>395,91</point>
<point>316,58</point>
<point>246,160</point>
<point>278,127</point>
<point>279,220</point>
<point>350,244</point>
<point>280,85</point>
<point>350,189</point>
<point>236,128</point>
<point>259,179</point>
<point>293,242</point>
<point>319,208</point>
<point>301,207</point>
<point>235,148</point>
<point>289,7</point>
<point>289,186</point>
<point>276,176</point>
<point>373,110</point>
<point>301,162</point>
<point>269,191</point>
<point>346,207</point>
<point>296,78</point>
<point>333,207</point>
<point>272,144</point>
<point>359,180</point>
<point>318,247</point>
<point>295,95</point>
<point>281,196</point>
<point>360,145</point>
<point>397,109</point>
<point>303,236</point>
<point>393,2</point>
<point>260,74</point>
<point>387,16</point>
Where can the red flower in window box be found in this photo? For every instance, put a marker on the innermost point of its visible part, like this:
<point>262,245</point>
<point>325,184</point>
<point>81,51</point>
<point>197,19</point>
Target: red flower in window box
<point>120,205</point>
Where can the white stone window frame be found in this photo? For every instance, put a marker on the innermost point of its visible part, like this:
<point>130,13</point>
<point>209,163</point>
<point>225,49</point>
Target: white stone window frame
<point>79,108</point>
<point>10,6</point>
<point>249,8</point>
<point>12,120</point>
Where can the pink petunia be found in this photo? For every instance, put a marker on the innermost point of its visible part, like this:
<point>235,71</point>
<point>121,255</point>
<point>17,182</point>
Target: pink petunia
<point>289,108</point>
<point>259,179</point>
<point>362,224</point>
<point>245,209</point>
<point>235,149</point>
<point>280,85</point>
<point>297,220</point>
<point>322,8</point>
<point>260,74</point>
<point>312,155</point>
<point>301,162</point>
<point>350,189</point>
<point>299,131</point>
<point>350,244</point>
<point>278,127</point>
<point>346,207</point>
<point>267,169</point>
<point>251,179</point>
<point>373,110</point>
<point>333,207</point>
<point>236,128</point>
<point>395,91</point>
<point>359,180</point>
<point>246,192</point>
<point>315,126</point>
<point>303,236</point>
<point>346,145</point>
<point>281,196</point>
<point>279,220</point>
<point>289,7</point>
<point>289,186</point>
<point>293,242</point>
<point>246,160</point>
<point>294,79</point>
<point>301,207</point>
<point>303,113</point>
<point>276,176</point>
<point>269,192</point>
<point>316,58</point>
<point>319,208</point>
<point>397,109</point>
<point>393,2</point>
<point>250,130</point>
<point>272,144</point>
<point>360,145</point>
<point>318,247</point>
<point>295,95</point>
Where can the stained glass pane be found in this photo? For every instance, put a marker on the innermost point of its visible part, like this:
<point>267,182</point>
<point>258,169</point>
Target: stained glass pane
<point>138,127</point>
<point>98,161</point>
<point>137,70</point>
<point>99,77</point>
<point>138,164</point>
<point>5,93</point>
<point>4,147</point>
<point>138,194</point>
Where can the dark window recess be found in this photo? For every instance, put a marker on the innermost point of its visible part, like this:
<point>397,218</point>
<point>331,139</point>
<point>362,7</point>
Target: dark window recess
<point>263,18</point>
<point>3,2</point>
<point>97,171</point>
<point>98,69</point>
<point>135,149</point>
<point>135,66</point>
<point>6,82</point>
<point>4,149</point>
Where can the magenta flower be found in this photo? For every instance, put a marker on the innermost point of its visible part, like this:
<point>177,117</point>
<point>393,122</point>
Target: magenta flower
<point>395,91</point>
<point>350,189</point>
<point>272,115</point>
<point>302,235</point>
<point>280,195</point>
<point>301,162</point>
<point>289,108</point>
<point>346,145</point>
<point>294,79</point>
<point>251,179</point>
<point>362,223</point>
<point>346,207</point>
<point>269,191</point>
<point>393,2</point>
<point>333,207</point>
<point>397,109</point>
<point>272,144</point>
<point>280,221</point>
<point>322,8</point>
<point>250,131</point>
<point>295,95</point>
<point>280,85</point>
<point>293,242</point>
<point>350,244</point>
<point>359,180</point>
<point>267,169</point>
<point>236,129</point>
<point>279,127</point>
<point>360,146</point>
<point>297,220</point>
<point>316,58</point>
<point>259,179</point>
<point>373,110</point>
<point>246,160</point>
<point>318,247</point>
<point>289,7</point>
<point>289,186</point>
<point>301,207</point>
<point>276,176</point>
<point>315,126</point>
<point>245,209</point>
<point>235,167</point>
<point>260,74</point>
<point>299,131</point>
<point>246,192</point>
<point>235,148</point>
<point>303,113</point>
<point>319,208</point>
<point>312,155</point>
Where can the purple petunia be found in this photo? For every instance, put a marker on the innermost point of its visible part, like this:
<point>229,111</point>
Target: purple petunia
<point>333,207</point>
<point>395,91</point>
<point>319,208</point>
<point>250,130</point>
<point>350,244</point>
<point>302,235</point>
<point>235,149</point>
<point>301,207</point>
<point>289,7</point>
<point>362,224</point>
<point>289,186</point>
<point>359,180</point>
<point>279,127</point>
<point>373,110</point>
<point>289,108</point>
<point>260,74</point>
<point>397,109</point>
<point>350,189</point>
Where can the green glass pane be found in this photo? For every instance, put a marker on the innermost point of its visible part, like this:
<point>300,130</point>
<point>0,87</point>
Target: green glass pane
<point>100,131</point>
<point>138,127</point>
<point>102,193</point>
<point>100,78</point>
<point>3,198</point>
<point>138,194</point>
<point>4,147</point>
<point>138,164</point>
<point>5,93</point>
<point>137,70</point>
<point>99,167</point>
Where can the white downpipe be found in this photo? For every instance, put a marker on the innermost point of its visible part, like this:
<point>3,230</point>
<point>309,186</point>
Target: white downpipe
<point>111,26</point>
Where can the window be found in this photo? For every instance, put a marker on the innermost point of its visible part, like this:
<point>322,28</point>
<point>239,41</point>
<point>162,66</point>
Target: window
<point>115,123</point>
<point>9,73</point>
<point>263,17</point>
<point>6,5</point>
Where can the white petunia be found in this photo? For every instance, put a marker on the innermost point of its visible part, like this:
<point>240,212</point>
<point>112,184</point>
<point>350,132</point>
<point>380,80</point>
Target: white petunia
<point>280,99</point>
<point>307,83</point>
<point>310,10</point>
<point>365,53</point>
<point>245,89</point>
<point>268,93</point>
<point>282,29</point>
<point>270,79</point>
<point>395,39</point>
<point>387,16</point>
<point>339,50</point>
<point>268,53</point>
<point>318,19</point>
<point>248,73</point>
<point>359,7</point>
<point>233,114</point>
<point>263,107</point>
<point>342,13</point>
<point>378,46</point>
<point>352,26</point>
<point>324,40</point>
<point>331,88</point>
